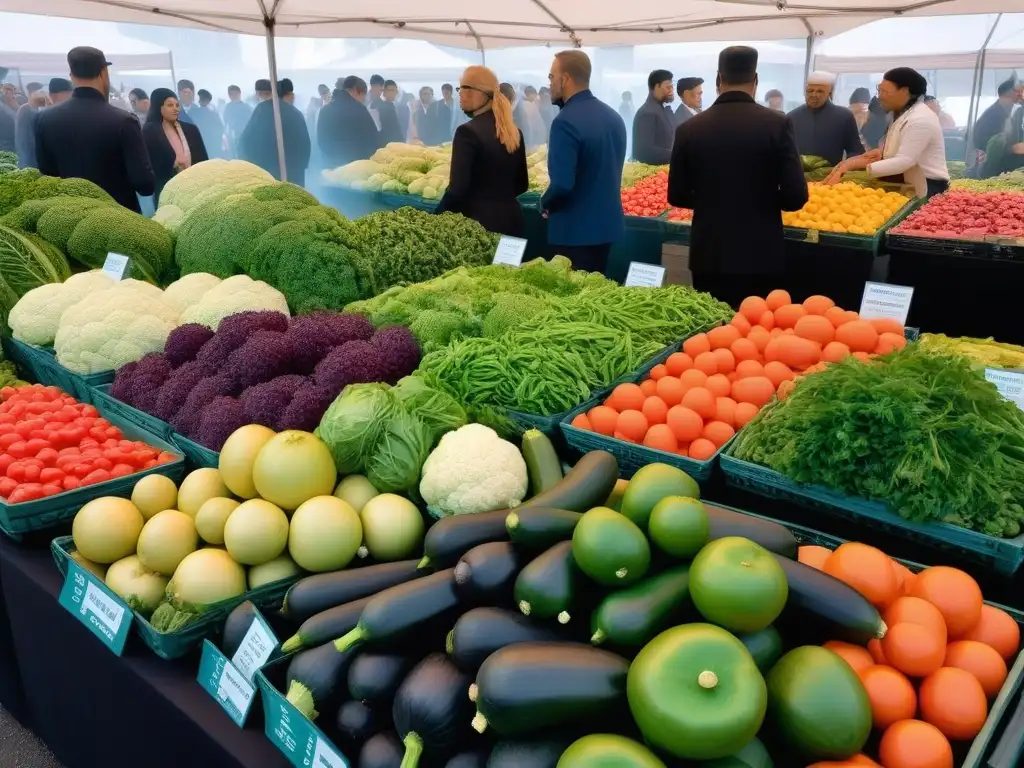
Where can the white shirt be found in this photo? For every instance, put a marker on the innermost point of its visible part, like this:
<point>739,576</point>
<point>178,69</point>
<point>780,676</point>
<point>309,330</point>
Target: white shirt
<point>914,147</point>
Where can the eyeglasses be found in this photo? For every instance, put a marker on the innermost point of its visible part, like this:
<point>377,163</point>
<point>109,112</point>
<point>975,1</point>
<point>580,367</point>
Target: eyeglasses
<point>468,88</point>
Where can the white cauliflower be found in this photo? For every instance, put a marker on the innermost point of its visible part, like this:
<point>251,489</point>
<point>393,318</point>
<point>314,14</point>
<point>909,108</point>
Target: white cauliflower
<point>190,187</point>
<point>170,217</point>
<point>473,470</point>
<point>189,289</point>
<point>114,326</point>
<point>236,294</point>
<point>34,319</point>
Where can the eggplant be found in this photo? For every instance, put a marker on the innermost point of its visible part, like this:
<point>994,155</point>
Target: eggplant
<point>381,751</point>
<point>313,594</point>
<point>476,759</point>
<point>315,677</point>
<point>487,573</point>
<point>236,628</point>
<point>374,677</point>
<point>451,537</point>
<point>355,723</point>
<point>542,753</point>
<point>480,632</point>
<point>431,711</point>
<point>326,625</point>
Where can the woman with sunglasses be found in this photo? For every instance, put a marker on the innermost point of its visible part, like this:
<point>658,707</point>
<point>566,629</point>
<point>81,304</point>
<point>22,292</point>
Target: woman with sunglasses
<point>488,158</point>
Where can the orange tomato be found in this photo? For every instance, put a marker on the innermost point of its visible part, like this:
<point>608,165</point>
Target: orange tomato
<point>796,352</point>
<point>747,368</point>
<point>655,409</point>
<point>904,577</point>
<point>954,702</point>
<point>633,425</point>
<point>854,655</point>
<point>661,438</point>
<point>677,363</point>
<point>697,344</point>
<point>955,593</point>
<point>718,432</point>
<point>815,328</point>
<point>742,324</point>
<point>995,628</point>
<point>753,307</point>
<point>866,569</point>
<point>914,610</point>
<point>659,371</point>
<point>913,649</point>
<point>722,336</point>
<point>582,422</point>
<point>756,390</point>
<point>778,372</point>
<point>777,298</point>
<point>813,556</point>
<point>837,316</point>
<point>858,335</point>
<point>760,338</point>
<point>786,316</point>
<point>744,349</point>
<point>834,352</point>
<point>693,378</point>
<point>686,424</point>
<point>767,321</point>
<point>725,410</point>
<point>649,387</point>
<point>706,362</point>
<point>719,385</point>
<point>982,661</point>
<point>725,359</point>
<point>744,413</point>
<point>891,695</point>
<point>889,342</point>
<point>818,305</point>
<point>875,649</point>
<point>701,449</point>
<point>624,438</point>
<point>887,325</point>
<point>701,401</point>
<point>671,389</point>
<point>626,397</point>
<point>604,419</point>
<point>914,744</point>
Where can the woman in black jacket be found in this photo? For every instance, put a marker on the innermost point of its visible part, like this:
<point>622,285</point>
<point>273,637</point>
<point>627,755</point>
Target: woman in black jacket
<point>173,145</point>
<point>488,158</point>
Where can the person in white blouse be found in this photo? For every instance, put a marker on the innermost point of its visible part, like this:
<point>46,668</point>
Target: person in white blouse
<point>913,150</point>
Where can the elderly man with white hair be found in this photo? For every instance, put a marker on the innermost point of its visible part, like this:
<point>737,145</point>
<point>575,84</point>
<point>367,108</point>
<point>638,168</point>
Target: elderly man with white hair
<point>822,127</point>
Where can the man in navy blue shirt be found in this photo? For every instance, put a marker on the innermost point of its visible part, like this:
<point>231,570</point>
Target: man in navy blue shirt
<point>586,151</point>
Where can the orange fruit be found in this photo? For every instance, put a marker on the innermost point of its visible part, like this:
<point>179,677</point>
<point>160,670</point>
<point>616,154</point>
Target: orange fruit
<point>742,324</point>
<point>995,628</point>
<point>854,655</point>
<point>914,610</point>
<point>725,410</point>
<point>697,344</point>
<point>787,315</point>
<point>719,385</point>
<point>954,702</point>
<point>677,363</point>
<point>649,387</point>
<point>726,361</point>
<point>626,397</point>
<point>815,328</point>
<point>744,413</point>
<point>891,695</point>
<point>753,307</point>
<point>757,390</point>
<point>914,744</point>
<point>837,316</point>
<point>777,298</point>
<point>718,432</point>
<point>913,649</point>
<point>767,321</point>
<point>723,336</point>
<point>887,325</point>
<point>858,335</point>
<point>834,352</point>
<point>904,577</point>
<point>603,419</point>
<point>982,661</point>
<point>759,336</point>
<point>686,424</point>
<point>670,390</point>
<point>659,371</point>
<point>633,425</point>
<point>955,593</point>
<point>866,569</point>
<point>813,556</point>
<point>747,368</point>
<point>582,422</point>
<point>693,378</point>
<point>889,342</point>
<point>744,349</point>
<point>778,372</point>
<point>706,362</point>
<point>701,449</point>
<point>875,649</point>
<point>818,305</point>
<point>701,401</point>
<point>655,410</point>
<point>796,352</point>
<point>661,438</point>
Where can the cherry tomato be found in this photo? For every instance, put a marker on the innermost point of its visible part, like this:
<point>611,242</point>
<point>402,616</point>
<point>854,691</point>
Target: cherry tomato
<point>166,457</point>
<point>96,476</point>
<point>32,472</point>
<point>35,445</point>
<point>48,456</point>
<point>122,470</point>
<point>18,450</point>
<point>70,482</point>
<point>7,485</point>
<point>51,475</point>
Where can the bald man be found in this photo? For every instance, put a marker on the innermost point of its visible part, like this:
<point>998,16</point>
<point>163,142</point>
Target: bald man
<point>823,128</point>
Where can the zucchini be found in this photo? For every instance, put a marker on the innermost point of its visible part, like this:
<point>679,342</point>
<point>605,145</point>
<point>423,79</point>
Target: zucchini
<point>632,616</point>
<point>525,687</point>
<point>542,465</point>
<point>487,573</point>
<point>584,486</point>
<point>313,594</point>
<point>396,611</point>
<point>828,605</point>
<point>236,628</point>
<point>538,528</point>
<point>770,535</point>
<point>764,645</point>
<point>374,677</point>
<point>480,632</point>
<point>546,588</point>
<point>431,711</point>
<point>476,759</point>
<point>355,723</point>
<point>384,750</point>
<point>326,626</point>
<point>541,753</point>
<point>316,677</point>
<point>451,537</point>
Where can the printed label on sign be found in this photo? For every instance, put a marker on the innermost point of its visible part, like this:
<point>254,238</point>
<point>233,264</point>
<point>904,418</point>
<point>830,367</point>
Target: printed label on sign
<point>644,275</point>
<point>1009,383</point>
<point>884,300</point>
<point>812,236</point>
<point>297,738</point>
<point>325,757</point>
<point>116,266</point>
<point>510,251</point>
<point>225,684</point>
<point>257,646</point>
<point>89,601</point>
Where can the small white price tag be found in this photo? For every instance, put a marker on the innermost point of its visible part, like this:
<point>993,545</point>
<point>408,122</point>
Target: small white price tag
<point>104,610</point>
<point>116,266</point>
<point>644,275</point>
<point>325,757</point>
<point>235,689</point>
<point>884,300</point>
<point>510,251</point>
<point>1009,383</point>
<point>256,647</point>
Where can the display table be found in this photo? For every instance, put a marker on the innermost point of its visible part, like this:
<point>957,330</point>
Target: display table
<point>12,696</point>
<point>95,709</point>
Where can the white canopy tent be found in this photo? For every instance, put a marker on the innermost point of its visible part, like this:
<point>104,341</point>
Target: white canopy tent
<point>402,58</point>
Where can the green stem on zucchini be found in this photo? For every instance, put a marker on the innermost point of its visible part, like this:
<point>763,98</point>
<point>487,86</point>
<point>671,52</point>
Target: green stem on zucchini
<point>598,637</point>
<point>563,617</point>
<point>413,750</point>
<point>524,606</point>
<point>449,642</point>
<point>479,723</point>
<point>424,563</point>
<point>882,629</point>
<point>300,697</point>
<point>473,692</point>
<point>707,679</point>
<point>621,573</point>
<point>356,637</point>
<point>293,643</point>
<point>512,521</point>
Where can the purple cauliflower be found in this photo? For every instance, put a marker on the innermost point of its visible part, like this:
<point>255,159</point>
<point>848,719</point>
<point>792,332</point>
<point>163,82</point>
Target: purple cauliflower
<point>216,351</point>
<point>265,403</point>
<point>346,327</point>
<point>264,356</point>
<point>122,382</point>
<point>312,336</point>
<point>354,362</point>
<point>184,343</point>
<point>176,389</point>
<point>306,408</point>
<point>149,375</point>
<point>254,320</point>
<point>221,417</point>
<point>400,352</point>
<point>186,421</point>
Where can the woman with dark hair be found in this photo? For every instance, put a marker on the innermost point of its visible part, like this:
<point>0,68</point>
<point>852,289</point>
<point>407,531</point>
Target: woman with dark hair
<point>914,150</point>
<point>877,124</point>
<point>860,99</point>
<point>173,145</point>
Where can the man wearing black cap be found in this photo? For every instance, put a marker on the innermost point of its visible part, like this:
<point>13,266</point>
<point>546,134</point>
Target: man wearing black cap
<point>736,165</point>
<point>25,126</point>
<point>87,137</point>
<point>345,131</point>
<point>258,144</point>
<point>263,90</point>
<point>691,98</point>
<point>653,123</point>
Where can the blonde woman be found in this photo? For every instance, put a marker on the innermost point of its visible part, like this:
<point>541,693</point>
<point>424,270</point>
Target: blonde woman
<point>488,158</point>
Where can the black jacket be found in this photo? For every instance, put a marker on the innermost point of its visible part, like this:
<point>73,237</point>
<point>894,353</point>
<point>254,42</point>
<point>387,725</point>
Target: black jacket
<point>161,155</point>
<point>87,137</point>
<point>258,144</point>
<point>390,129</point>
<point>736,165</point>
<point>653,131</point>
<point>486,178</point>
<point>993,121</point>
<point>346,131</point>
<point>828,132</point>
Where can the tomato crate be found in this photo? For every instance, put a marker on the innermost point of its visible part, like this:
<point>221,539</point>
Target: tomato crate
<point>210,625</point>
<point>42,364</point>
<point>196,455</point>
<point>16,520</point>
<point>110,404</point>
<point>645,223</point>
<point>1004,556</point>
<point>939,246</point>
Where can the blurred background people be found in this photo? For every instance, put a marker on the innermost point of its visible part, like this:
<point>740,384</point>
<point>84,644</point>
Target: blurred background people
<point>345,131</point>
<point>139,101</point>
<point>859,101</point>
<point>236,117</point>
<point>654,123</point>
<point>946,120</point>
<point>823,128</point>
<point>421,128</point>
<point>173,145</point>
<point>774,100</point>
<point>258,144</point>
<point>691,98</point>
<point>209,123</point>
<point>57,92</point>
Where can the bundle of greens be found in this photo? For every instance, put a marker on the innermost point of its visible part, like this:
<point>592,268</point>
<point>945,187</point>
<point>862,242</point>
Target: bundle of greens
<point>983,352</point>
<point>922,432</point>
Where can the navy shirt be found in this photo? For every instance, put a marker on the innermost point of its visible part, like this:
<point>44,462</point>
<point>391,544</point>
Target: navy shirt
<point>827,132</point>
<point>586,151</point>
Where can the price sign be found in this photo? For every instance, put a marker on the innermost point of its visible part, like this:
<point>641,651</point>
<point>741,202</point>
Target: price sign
<point>257,646</point>
<point>812,236</point>
<point>644,275</point>
<point>325,757</point>
<point>225,683</point>
<point>89,600</point>
<point>116,266</point>
<point>1009,383</point>
<point>297,738</point>
<point>884,300</point>
<point>510,251</point>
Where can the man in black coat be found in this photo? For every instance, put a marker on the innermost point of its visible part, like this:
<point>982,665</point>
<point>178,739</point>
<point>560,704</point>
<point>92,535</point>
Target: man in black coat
<point>258,144</point>
<point>995,118</point>
<point>654,123</point>
<point>87,137</point>
<point>737,167</point>
<point>346,131</point>
<point>390,129</point>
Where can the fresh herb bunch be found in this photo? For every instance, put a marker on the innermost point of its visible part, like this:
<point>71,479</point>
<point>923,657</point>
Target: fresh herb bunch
<point>922,432</point>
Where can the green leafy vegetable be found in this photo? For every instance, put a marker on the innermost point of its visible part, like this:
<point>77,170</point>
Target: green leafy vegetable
<point>26,262</point>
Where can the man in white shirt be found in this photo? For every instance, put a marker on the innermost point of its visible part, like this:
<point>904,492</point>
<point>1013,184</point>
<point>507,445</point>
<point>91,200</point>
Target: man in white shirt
<point>691,98</point>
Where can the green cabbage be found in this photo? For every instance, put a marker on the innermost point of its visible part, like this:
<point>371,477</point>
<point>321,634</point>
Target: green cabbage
<point>394,465</point>
<point>354,422</point>
<point>439,411</point>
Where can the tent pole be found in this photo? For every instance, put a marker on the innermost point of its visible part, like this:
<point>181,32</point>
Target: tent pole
<point>268,24</point>
<point>174,75</point>
<point>976,84</point>
<point>809,57</point>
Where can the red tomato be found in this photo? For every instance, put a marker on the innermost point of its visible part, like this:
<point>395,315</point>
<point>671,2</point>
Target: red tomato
<point>122,470</point>
<point>35,445</point>
<point>48,456</point>
<point>9,439</point>
<point>102,462</point>
<point>7,485</point>
<point>51,475</point>
<point>18,450</point>
<point>32,472</point>
<point>70,482</point>
<point>166,457</point>
<point>50,489</point>
<point>5,461</point>
<point>96,476</point>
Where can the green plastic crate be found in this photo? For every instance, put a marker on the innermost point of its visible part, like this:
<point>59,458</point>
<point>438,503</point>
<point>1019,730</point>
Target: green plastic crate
<point>408,201</point>
<point>18,519</point>
<point>30,359</point>
<point>856,242</point>
<point>196,455</point>
<point>1004,556</point>
<point>174,645</point>
<point>43,365</point>
<point>111,405</point>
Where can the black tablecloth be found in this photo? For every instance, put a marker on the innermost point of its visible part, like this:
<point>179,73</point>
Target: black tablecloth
<point>12,696</point>
<point>95,709</point>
